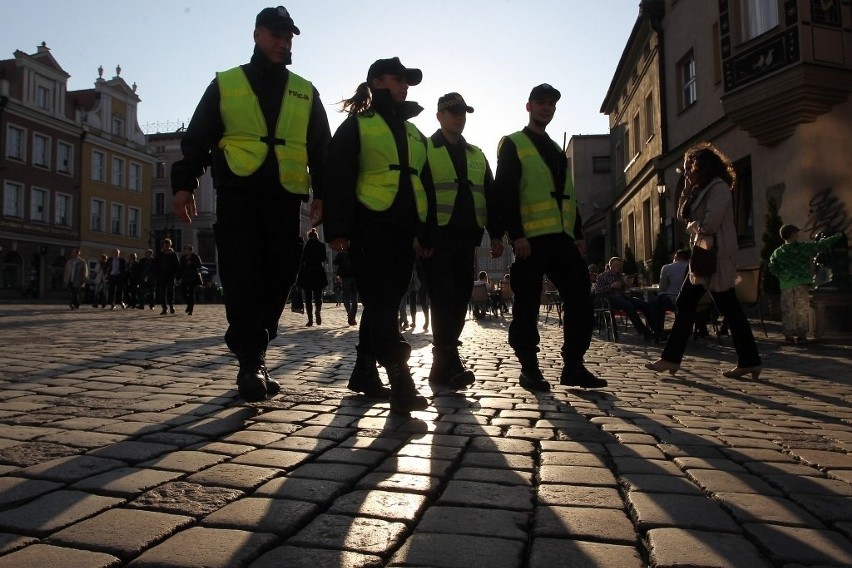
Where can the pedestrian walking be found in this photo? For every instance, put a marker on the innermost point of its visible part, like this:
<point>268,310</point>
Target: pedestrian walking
<point>165,269</point>
<point>539,209</point>
<point>706,207</point>
<point>265,133</point>
<point>190,277</point>
<point>312,279</point>
<point>379,206</point>
<point>76,276</point>
<point>465,204</point>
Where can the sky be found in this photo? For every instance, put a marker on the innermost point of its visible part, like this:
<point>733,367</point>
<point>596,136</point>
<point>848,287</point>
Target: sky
<point>491,51</point>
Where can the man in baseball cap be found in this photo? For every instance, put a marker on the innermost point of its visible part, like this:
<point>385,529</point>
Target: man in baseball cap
<point>394,66</point>
<point>545,91</point>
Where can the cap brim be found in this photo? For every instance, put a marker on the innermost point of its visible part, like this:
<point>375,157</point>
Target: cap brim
<point>413,76</point>
<point>456,108</point>
<point>283,28</point>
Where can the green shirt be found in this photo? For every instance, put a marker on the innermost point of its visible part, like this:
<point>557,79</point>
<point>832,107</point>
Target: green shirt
<point>791,262</point>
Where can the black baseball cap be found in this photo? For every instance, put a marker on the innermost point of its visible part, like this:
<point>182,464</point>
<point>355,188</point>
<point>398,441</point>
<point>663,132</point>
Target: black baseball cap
<point>394,66</point>
<point>276,19</point>
<point>544,91</point>
<point>453,102</point>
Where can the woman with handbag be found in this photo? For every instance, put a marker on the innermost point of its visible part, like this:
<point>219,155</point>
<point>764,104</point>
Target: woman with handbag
<point>707,209</point>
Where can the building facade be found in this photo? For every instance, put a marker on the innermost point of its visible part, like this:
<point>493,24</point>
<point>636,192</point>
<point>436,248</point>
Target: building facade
<point>116,170</point>
<point>590,165</point>
<point>40,165</point>
<point>767,81</point>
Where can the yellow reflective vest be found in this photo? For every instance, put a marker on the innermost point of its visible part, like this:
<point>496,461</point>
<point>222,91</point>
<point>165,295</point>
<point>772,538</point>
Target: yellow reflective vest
<point>246,141</point>
<point>541,214</point>
<point>447,183</point>
<point>379,169</point>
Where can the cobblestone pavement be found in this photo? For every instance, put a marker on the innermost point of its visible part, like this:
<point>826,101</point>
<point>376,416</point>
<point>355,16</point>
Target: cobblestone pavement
<point>122,443</point>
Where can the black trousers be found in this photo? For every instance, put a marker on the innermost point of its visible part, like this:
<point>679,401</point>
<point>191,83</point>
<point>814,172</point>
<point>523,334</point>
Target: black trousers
<point>382,262</point>
<point>349,296</point>
<point>257,239</point>
<point>313,301</point>
<point>557,257</point>
<point>727,305</point>
<point>116,291</point>
<point>187,290</point>
<point>450,275</point>
<point>166,292</point>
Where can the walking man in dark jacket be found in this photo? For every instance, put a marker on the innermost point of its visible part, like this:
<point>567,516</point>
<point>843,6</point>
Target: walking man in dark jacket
<point>264,132</point>
<point>165,270</point>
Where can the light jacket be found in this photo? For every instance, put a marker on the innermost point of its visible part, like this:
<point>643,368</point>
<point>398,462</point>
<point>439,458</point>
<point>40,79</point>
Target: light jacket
<point>246,140</point>
<point>714,212</point>
<point>447,183</point>
<point>379,170</point>
<point>541,213</point>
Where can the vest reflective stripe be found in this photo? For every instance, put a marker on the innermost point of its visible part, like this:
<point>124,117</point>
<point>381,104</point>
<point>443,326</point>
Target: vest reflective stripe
<point>379,171</point>
<point>447,184</point>
<point>540,212</point>
<point>245,129</point>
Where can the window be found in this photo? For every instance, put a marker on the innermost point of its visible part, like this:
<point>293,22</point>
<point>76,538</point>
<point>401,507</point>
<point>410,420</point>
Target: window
<point>118,172</point>
<point>758,17</point>
<point>41,150</point>
<point>637,134</point>
<point>159,204</point>
<point>98,166</point>
<point>38,205</point>
<point>161,170</point>
<point>117,126</point>
<point>97,223</point>
<point>116,223</point>
<point>133,216</point>
<point>600,164</point>
<point>686,76</point>
<point>15,143</point>
<point>64,157</point>
<point>650,128</point>
<point>135,177</point>
<point>13,205</point>
<point>43,98</point>
<point>63,210</point>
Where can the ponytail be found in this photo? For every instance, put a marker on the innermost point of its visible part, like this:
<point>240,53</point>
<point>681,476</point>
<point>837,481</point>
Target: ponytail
<point>359,102</point>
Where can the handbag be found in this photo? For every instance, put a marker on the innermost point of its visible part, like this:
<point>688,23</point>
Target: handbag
<point>703,261</point>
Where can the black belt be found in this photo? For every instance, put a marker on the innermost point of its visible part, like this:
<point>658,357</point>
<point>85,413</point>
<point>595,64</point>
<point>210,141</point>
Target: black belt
<point>397,167</point>
<point>273,141</point>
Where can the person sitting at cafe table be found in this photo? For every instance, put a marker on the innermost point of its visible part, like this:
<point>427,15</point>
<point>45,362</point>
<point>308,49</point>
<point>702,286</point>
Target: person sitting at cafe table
<point>613,284</point>
<point>671,280</point>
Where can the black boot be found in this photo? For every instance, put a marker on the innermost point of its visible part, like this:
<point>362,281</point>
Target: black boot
<point>448,369</point>
<point>531,377</point>
<point>577,375</point>
<point>273,387</point>
<point>404,397</point>
<point>251,380</point>
<point>365,379</point>
<point>319,318</point>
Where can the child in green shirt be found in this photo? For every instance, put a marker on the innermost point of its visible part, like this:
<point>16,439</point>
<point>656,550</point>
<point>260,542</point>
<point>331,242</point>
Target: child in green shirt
<point>791,263</point>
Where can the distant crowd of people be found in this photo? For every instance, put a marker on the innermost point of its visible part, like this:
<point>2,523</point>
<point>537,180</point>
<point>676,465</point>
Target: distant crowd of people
<point>134,282</point>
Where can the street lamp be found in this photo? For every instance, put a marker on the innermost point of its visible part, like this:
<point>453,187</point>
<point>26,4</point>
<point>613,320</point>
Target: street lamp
<point>661,188</point>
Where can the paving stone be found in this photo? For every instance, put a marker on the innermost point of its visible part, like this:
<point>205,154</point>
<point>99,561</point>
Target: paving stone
<point>298,557</point>
<point>654,510</point>
<point>238,476</point>
<point>828,508</point>
<point>184,498</point>
<point>70,469</point>
<point>515,462</point>
<point>824,459</point>
<point>676,547</point>
<point>659,484</point>
<point>579,447</point>
<point>187,461</point>
<point>458,551</point>
<point>312,490</point>
<point>422,484</point>
<point>577,475</point>
<point>124,533</point>
<point>253,514</point>
<point>15,491</point>
<point>646,466</point>
<point>492,475</point>
<point>488,495</point>
<point>345,473</point>
<point>392,506</point>
<point>584,523</point>
<point>58,557</point>
<point>207,547</point>
<point>579,496</point>
<point>750,508</point>
<point>125,481</point>
<point>806,485</point>
<point>549,552</point>
<point>502,445</point>
<point>12,542</point>
<point>475,522</point>
<point>730,482</point>
<point>571,458</point>
<point>718,464</point>
<point>54,511</point>
<point>804,545</point>
<point>369,536</point>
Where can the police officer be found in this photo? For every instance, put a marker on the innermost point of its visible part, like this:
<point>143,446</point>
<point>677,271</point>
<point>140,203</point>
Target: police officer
<point>264,132</point>
<point>378,207</point>
<point>464,202</point>
<point>539,210</point>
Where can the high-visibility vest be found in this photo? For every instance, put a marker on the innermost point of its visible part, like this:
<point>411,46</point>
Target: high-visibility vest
<point>541,213</point>
<point>447,182</point>
<point>379,169</point>
<point>246,139</point>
